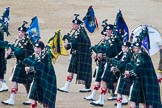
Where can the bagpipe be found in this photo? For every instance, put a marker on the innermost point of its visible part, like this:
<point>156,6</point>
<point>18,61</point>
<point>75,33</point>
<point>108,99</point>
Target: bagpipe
<point>69,36</point>
<point>100,43</point>
<point>131,68</point>
<point>104,24</point>
<point>103,32</point>
<point>17,47</point>
<point>32,60</point>
<point>115,63</point>
<point>94,48</point>
<point>110,61</point>
<point>43,54</point>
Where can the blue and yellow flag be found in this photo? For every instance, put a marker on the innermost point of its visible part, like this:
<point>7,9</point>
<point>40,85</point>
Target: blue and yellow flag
<point>122,26</point>
<point>33,30</point>
<point>90,20</point>
<point>57,46</point>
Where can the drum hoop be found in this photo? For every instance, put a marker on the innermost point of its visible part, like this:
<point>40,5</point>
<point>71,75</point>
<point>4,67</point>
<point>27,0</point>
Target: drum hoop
<point>136,30</point>
<point>147,26</point>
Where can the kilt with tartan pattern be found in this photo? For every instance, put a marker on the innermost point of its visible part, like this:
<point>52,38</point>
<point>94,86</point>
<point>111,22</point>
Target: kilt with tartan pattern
<point>73,64</point>
<point>136,94</point>
<point>81,61</point>
<point>44,85</point>
<point>100,71</point>
<point>124,85</point>
<point>109,77</point>
<point>20,75</point>
<point>147,81</point>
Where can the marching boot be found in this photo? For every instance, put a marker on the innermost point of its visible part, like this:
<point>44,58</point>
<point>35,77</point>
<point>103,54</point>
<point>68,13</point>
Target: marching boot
<point>86,88</point>
<point>93,95</point>
<point>113,96</point>
<point>100,101</point>
<point>28,102</point>
<point>11,100</point>
<point>124,100</point>
<point>118,101</point>
<point>4,86</point>
<point>66,86</point>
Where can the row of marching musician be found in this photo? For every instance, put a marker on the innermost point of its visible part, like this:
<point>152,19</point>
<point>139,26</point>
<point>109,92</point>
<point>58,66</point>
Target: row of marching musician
<point>122,66</point>
<point>33,68</point>
<point>127,69</point>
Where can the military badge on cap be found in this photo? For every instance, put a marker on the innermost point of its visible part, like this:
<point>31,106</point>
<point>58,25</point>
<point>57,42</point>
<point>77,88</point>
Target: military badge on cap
<point>128,44</point>
<point>39,44</point>
<point>24,29</point>
<point>137,44</point>
<point>109,27</point>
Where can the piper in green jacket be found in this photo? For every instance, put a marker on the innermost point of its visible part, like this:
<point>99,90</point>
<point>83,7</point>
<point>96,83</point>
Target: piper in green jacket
<point>145,88</point>
<point>22,49</point>
<point>110,50</point>
<point>119,63</point>
<point>44,85</point>
<point>80,61</point>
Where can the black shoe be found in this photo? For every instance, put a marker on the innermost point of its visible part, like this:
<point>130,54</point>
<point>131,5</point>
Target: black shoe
<point>7,103</point>
<point>4,90</point>
<point>85,90</point>
<point>96,104</point>
<point>26,103</point>
<point>62,90</point>
<point>89,99</point>
<point>125,103</point>
<point>122,104</point>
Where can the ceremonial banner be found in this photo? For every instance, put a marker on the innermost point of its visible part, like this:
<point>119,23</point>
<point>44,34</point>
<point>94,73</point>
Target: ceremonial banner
<point>56,46</point>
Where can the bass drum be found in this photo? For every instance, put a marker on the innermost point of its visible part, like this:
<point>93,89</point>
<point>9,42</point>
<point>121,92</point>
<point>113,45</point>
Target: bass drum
<point>154,36</point>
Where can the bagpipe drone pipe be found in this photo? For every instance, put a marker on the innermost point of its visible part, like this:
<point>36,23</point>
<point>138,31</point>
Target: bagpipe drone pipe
<point>69,35</point>
<point>17,49</point>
